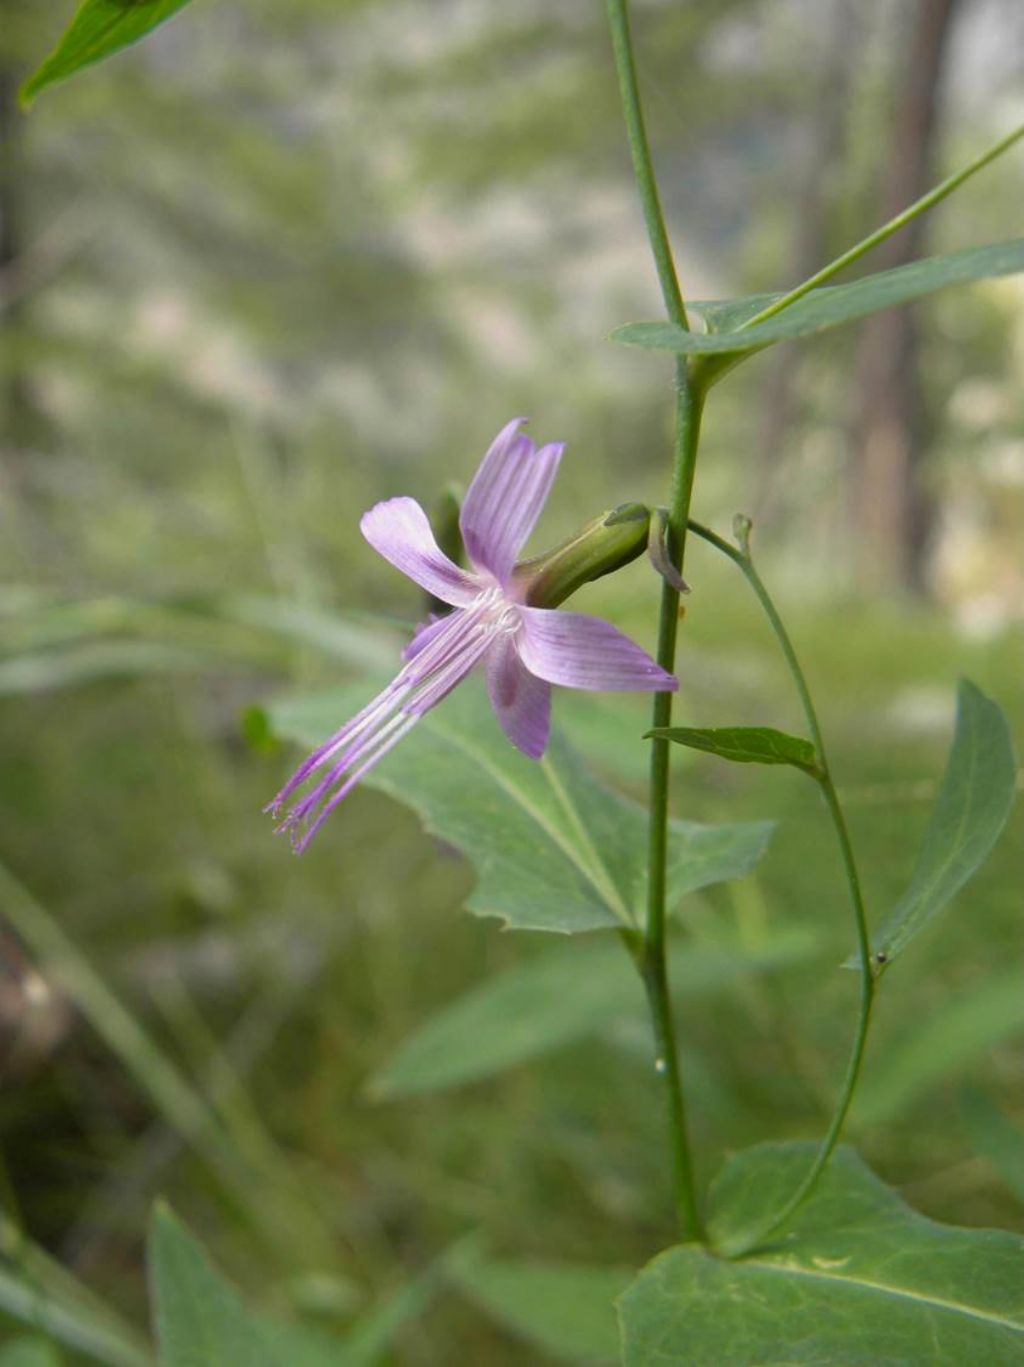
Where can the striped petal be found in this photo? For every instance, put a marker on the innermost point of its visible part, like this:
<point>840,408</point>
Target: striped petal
<point>521,701</point>
<point>423,635</point>
<point>456,644</point>
<point>576,651</point>
<point>505,499</point>
<point>398,530</point>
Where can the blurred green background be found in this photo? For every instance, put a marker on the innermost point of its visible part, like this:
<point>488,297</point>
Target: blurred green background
<point>283,260</point>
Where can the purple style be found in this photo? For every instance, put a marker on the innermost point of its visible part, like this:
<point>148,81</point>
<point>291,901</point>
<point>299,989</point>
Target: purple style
<point>523,649</point>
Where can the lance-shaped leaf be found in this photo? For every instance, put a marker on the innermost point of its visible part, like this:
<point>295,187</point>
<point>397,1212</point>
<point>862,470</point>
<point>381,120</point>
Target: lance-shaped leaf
<point>858,1277</point>
<point>201,1319</point>
<point>552,848</point>
<point>98,29</point>
<point>745,744</point>
<point>823,308</point>
<point>559,996</point>
<point>970,811</point>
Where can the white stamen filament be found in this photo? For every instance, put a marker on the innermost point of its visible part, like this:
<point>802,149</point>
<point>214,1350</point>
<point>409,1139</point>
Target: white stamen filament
<point>398,727</point>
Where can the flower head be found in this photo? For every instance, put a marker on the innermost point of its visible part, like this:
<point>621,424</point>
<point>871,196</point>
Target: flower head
<point>524,649</point>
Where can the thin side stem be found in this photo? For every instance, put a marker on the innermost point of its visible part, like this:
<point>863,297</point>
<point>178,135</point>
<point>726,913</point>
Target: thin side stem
<point>650,951</point>
<point>928,201</point>
<point>868,984</point>
<point>746,566</point>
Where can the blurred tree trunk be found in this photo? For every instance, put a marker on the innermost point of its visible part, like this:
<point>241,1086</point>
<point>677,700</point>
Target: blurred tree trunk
<point>16,415</point>
<point>891,509</point>
<point>8,243</point>
<point>815,201</point>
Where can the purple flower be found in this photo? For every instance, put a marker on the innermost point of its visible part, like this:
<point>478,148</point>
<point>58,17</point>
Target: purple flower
<point>523,649</point>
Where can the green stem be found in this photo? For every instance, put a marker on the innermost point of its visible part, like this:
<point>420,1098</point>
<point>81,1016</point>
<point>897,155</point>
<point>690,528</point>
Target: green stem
<point>689,407</point>
<point>653,961</point>
<point>928,201</point>
<point>643,167</point>
<point>742,558</point>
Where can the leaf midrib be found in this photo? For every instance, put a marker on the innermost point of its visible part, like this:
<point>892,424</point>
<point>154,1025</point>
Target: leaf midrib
<point>516,793</point>
<point>564,798</point>
<point>896,1293</point>
<point>908,912</point>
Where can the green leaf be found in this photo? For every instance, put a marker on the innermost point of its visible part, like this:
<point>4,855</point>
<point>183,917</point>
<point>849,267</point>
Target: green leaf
<point>949,1042</point>
<point>823,308</point>
<point>726,315</point>
<point>559,996</point>
<point>972,807</point>
<point>99,29</point>
<point>565,1309</point>
<point>553,850</point>
<point>859,1278</point>
<point>745,744</point>
<point>201,1321</point>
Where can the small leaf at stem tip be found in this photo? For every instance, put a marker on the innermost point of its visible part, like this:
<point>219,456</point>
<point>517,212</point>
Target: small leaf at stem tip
<point>745,744</point>
<point>973,806</point>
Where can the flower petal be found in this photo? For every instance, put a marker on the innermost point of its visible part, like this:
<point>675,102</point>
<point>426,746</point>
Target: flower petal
<point>505,499</point>
<point>521,701</point>
<point>399,530</point>
<point>454,646</point>
<point>576,651</point>
<point>423,635</point>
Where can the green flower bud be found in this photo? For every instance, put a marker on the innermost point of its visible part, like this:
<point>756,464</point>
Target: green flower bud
<point>602,546</point>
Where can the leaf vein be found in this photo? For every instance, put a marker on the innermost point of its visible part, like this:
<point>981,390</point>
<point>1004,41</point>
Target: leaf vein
<point>897,1293</point>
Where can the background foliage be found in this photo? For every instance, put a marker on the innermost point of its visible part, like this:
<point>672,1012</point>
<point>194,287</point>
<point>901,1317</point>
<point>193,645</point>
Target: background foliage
<point>252,271</point>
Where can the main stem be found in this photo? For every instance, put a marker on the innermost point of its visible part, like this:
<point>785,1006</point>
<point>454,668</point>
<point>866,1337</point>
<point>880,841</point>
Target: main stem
<point>743,559</point>
<point>689,403</point>
<point>650,954</point>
